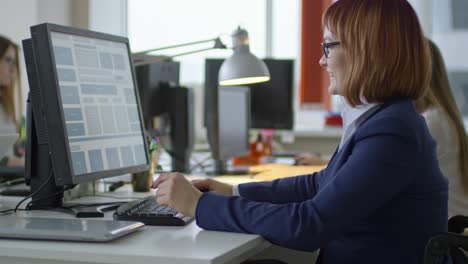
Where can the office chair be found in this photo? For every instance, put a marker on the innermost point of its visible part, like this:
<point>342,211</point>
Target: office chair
<point>452,243</point>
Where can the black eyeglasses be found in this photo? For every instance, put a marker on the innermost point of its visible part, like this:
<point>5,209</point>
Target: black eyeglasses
<point>327,45</point>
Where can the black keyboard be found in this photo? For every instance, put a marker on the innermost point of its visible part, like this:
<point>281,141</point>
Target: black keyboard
<point>147,211</point>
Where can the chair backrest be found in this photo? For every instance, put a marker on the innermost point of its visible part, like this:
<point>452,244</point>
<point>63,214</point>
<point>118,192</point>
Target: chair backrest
<point>451,244</point>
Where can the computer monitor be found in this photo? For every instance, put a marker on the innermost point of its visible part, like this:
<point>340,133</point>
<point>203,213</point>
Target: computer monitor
<point>271,102</point>
<point>84,114</point>
<point>151,78</point>
<point>173,105</point>
<point>228,129</point>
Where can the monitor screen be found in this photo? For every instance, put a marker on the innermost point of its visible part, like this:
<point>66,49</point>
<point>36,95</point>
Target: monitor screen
<point>84,109</point>
<point>152,78</point>
<point>99,104</point>
<point>271,102</point>
<point>233,121</point>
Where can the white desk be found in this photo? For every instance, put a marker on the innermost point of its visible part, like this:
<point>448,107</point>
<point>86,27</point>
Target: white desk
<point>167,245</point>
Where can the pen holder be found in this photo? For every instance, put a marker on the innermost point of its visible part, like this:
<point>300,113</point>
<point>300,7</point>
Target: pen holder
<point>142,181</point>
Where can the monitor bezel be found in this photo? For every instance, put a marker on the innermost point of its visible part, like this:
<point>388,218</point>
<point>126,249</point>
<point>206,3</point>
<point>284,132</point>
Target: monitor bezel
<point>50,89</point>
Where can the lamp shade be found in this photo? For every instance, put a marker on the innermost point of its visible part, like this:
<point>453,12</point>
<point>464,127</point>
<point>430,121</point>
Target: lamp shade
<point>242,67</point>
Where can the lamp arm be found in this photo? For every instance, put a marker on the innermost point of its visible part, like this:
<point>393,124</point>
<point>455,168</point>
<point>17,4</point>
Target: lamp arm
<point>189,52</point>
<point>144,60</point>
<point>148,59</point>
<point>217,45</point>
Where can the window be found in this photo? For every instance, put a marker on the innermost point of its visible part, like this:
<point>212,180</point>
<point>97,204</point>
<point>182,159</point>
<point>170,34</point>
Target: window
<point>450,33</point>
<point>159,23</point>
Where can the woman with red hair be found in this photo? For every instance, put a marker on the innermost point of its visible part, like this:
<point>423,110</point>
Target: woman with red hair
<point>382,196</point>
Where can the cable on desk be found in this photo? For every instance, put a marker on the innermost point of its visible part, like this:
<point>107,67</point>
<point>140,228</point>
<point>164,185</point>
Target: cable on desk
<point>28,206</point>
<point>37,191</point>
<point>76,205</point>
<point>6,211</point>
<point>12,182</point>
<point>10,210</point>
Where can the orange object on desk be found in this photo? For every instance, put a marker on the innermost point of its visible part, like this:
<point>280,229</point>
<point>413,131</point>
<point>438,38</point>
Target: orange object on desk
<point>258,149</point>
<point>245,160</point>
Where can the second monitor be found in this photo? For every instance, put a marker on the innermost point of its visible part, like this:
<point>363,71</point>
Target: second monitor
<point>228,126</point>
<point>271,102</point>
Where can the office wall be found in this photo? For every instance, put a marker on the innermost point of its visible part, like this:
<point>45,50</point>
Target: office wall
<point>17,16</point>
<point>15,19</point>
<point>54,11</point>
<point>451,38</point>
<point>446,23</point>
<point>436,18</point>
<point>109,16</point>
<point>423,9</point>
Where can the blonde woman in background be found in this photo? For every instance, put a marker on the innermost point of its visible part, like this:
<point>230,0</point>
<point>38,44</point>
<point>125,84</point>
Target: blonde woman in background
<point>9,79</point>
<point>445,123</point>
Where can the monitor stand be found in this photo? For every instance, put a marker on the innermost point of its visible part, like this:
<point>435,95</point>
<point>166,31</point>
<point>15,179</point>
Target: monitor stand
<point>40,175</point>
<point>52,199</point>
<point>86,211</point>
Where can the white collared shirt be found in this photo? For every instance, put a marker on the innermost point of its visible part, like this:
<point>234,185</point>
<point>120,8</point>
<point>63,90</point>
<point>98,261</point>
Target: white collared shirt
<point>353,118</point>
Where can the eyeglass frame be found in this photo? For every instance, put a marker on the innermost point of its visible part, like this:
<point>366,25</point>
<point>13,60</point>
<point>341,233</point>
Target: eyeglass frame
<point>327,45</point>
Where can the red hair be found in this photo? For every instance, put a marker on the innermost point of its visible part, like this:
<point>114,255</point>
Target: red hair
<point>387,54</point>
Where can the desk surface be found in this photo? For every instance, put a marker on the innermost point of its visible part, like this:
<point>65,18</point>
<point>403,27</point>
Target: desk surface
<point>187,244</point>
<point>168,245</point>
<point>266,172</point>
